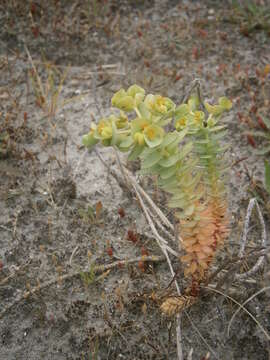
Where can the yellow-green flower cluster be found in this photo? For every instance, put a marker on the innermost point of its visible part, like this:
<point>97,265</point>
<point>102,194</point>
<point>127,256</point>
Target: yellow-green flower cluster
<point>158,104</point>
<point>189,116</point>
<point>110,131</point>
<point>224,104</point>
<point>145,131</point>
<point>128,100</point>
<point>153,113</point>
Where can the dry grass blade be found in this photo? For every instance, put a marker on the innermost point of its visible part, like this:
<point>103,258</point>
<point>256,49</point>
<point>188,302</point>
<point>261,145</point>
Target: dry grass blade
<point>35,71</point>
<point>253,202</point>
<point>241,307</point>
<point>244,303</point>
<point>201,337</point>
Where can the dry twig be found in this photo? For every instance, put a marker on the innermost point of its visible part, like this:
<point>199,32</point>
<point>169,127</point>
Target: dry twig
<point>244,303</point>
<point>97,269</point>
<point>242,307</point>
<point>260,262</point>
<point>164,248</point>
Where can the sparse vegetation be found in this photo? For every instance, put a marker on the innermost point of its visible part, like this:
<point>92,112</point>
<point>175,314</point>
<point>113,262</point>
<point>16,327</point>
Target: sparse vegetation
<point>252,16</point>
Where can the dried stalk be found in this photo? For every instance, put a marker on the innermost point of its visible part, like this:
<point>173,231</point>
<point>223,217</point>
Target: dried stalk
<point>260,262</point>
<point>244,303</point>
<point>241,307</point>
<point>164,248</point>
<point>97,269</point>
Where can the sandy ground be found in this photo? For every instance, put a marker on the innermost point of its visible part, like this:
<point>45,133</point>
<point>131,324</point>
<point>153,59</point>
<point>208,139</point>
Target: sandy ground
<point>59,206</point>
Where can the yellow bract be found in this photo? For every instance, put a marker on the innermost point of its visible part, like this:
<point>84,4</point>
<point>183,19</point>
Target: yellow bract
<point>159,104</point>
<point>181,123</point>
<point>139,138</point>
<point>128,100</point>
<point>104,129</point>
<point>150,132</point>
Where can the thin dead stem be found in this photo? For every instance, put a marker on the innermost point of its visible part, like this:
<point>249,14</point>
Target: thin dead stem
<point>242,307</point>
<point>260,262</point>
<point>244,303</point>
<point>163,246</point>
<point>201,336</point>
<point>97,270</point>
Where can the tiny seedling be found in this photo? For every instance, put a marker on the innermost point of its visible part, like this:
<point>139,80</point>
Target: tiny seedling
<point>267,176</point>
<point>88,277</point>
<point>91,214</point>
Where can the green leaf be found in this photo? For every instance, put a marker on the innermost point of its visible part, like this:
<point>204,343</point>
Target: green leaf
<point>147,151</point>
<point>154,170</point>
<point>181,135</point>
<point>169,138</point>
<point>188,166</point>
<point>177,196</point>
<point>151,159</point>
<point>267,176</point>
<point>165,120</point>
<point>133,90</point>
<point>225,103</point>
<point>136,151</point>
<point>193,103</point>
<point>166,173</point>
<point>217,128</point>
<point>223,149</point>
<point>193,182</point>
<point>170,161</point>
<point>168,183</point>
<point>114,134</point>
<point>182,203</point>
<point>127,142</point>
<point>202,141</point>
<point>145,113</point>
<point>202,157</point>
<point>185,150</point>
<point>181,111</point>
<point>89,141</point>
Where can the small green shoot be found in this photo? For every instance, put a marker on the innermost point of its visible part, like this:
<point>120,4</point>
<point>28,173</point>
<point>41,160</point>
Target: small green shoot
<point>267,176</point>
<point>88,277</point>
<point>91,214</point>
